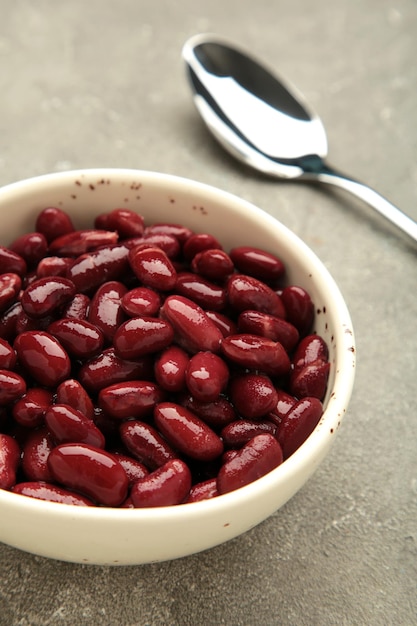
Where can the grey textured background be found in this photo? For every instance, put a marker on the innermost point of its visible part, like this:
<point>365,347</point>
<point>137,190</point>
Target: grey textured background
<point>102,84</point>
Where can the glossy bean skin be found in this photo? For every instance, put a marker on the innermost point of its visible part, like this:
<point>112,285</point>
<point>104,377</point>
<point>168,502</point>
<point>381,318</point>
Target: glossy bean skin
<point>43,356</point>
<point>202,491</point>
<point>269,326</point>
<point>53,266</point>
<point>168,243</point>
<point>105,311</point>
<point>284,403</point>
<point>135,470</point>
<point>198,242</point>
<point>140,336</point>
<point>72,393</point>
<point>108,369</point>
<point>298,424</point>
<point>200,290</point>
<point>216,414</point>
<point>53,223</point>
<point>136,399</point>
<point>7,355</point>
<point>82,241</point>
<point>245,292</point>
<point>310,349</point>
<point>45,295</point>
<point>9,461</point>
<point>90,470</point>
<point>32,247</point>
<point>253,395</point>
<point>311,380</point>
<point>180,232</point>
<point>10,286</point>
<point>166,486</point>
<point>170,369</point>
<point>29,410</point>
<point>77,307</point>
<point>35,453</point>
<point>258,263</point>
<point>224,324</point>
<point>145,443</point>
<point>187,432</point>
<point>258,457</point>
<point>153,268</point>
<point>141,301</point>
<point>12,387</point>
<point>299,308</point>
<point>240,432</point>
<point>80,338</point>
<point>126,222</point>
<point>206,376</point>
<point>91,270</point>
<point>213,264</point>
<point>51,493</point>
<point>194,330</point>
<point>255,352</point>
<point>11,262</point>
<point>68,425</point>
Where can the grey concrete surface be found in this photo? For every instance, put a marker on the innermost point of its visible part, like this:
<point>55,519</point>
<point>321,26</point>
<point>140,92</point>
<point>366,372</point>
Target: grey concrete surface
<point>102,84</point>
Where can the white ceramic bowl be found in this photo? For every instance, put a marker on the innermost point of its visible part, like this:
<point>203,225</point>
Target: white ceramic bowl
<point>129,536</point>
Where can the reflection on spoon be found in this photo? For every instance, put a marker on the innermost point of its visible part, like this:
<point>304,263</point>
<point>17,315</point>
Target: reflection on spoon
<point>265,122</point>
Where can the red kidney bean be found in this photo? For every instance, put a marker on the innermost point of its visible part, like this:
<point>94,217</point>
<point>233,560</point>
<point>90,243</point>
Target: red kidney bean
<point>80,338</point>
<point>255,352</point>
<point>216,414</point>
<point>258,263</point>
<point>77,307</point>
<point>299,308</point>
<point>141,301</point>
<point>168,485</point>
<point>257,458</point>
<point>202,491</point>
<point>284,403</point>
<point>168,243</point>
<point>45,295</point>
<point>126,222</point>
<point>12,387</point>
<point>136,398</point>
<point>105,310</point>
<point>53,266</point>
<point>194,330</point>
<point>11,262</point>
<point>198,242</point>
<point>10,286</point>
<point>298,424</point>
<point>90,470</point>
<point>142,335</point>
<point>9,461</point>
<point>32,247</point>
<point>7,355</point>
<point>51,493</point>
<point>206,376</point>
<point>107,369</point>
<point>153,267</point>
<point>269,326</point>
<point>43,357</point>
<point>68,425</point>
<point>71,392</point>
<point>228,455</point>
<point>35,453</point>
<point>8,321</point>
<point>245,292</point>
<point>310,349</point>
<point>253,395</point>
<point>29,410</point>
<point>145,443</point>
<point>238,433</point>
<point>223,323</point>
<point>82,241</point>
<point>187,432</point>
<point>199,290</point>
<point>311,380</point>
<point>170,368</point>
<point>53,223</point>
<point>212,264</point>
<point>91,270</point>
<point>135,470</point>
<point>180,232</point>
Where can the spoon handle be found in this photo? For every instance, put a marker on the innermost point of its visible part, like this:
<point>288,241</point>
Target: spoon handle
<point>371,197</point>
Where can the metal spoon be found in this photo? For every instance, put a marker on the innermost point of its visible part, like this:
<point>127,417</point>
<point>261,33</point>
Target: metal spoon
<point>264,122</point>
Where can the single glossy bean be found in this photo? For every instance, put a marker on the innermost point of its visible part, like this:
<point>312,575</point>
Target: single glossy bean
<point>213,264</point>
<point>10,286</point>
<point>170,368</point>
<point>77,307</point>
<point>298,424</point>
<point>53,223</point>
<point>91,270</point>
<point>255,352</point>
<point>32,247</point>
<point>36,450</point>
<point>80,338</point>
<point>269,326</point>
<point>310,349</point>
<point>153,267</point>
<point>145,443</point>
<point>107,369</point>
<point>258,457</point>
<point>187,432</point>
<point>253,395</point>
<point>82,241</point>
<point>11,262</point>
<point>68,425</point>
<point>206,376</point>
<point>45,295</point>
<point>168,243</point>
<point>311,380</point>
<point>43,356</point>
<point>245,292</point>
<point>141,301</point>
<point>126,222</point>
<point>12,387</point>
<point>51,493</point>
<point>197,243</point>
<point>106,312</point>
<point>299,308</point>
<point>142,335</point>
<point>166,486</point>
<point>53,266</point>
<point>202,491</point>
<point>9,461</point>
<point>238,433</point>
<point>258,263</point>
<point>7,355</point>
<point>29,411</point>
<point>198,289</point>
<point>72,392</point>
<point>90,470</point>
<point>194,330</point>
<point>180,232</point>
<point>136,398</point>
<point>224,324</point>
<point>216,414</point>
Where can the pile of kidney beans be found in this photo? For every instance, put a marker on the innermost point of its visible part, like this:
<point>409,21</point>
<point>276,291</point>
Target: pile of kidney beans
<point>142,365</point>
